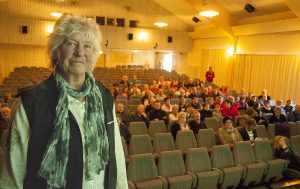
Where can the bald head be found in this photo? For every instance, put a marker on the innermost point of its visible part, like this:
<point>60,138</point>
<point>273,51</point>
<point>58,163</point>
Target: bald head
<point>5,113</point>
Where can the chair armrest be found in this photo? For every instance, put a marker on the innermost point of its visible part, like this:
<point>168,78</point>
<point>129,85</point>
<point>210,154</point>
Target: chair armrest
<point>244,170</point>
<point>221,178</point>
<point>164,181</point>
<point>194,177</point>
<point>131,185</point>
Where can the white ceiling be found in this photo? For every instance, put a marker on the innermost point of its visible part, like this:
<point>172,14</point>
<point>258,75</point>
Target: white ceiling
<point>177,13</point>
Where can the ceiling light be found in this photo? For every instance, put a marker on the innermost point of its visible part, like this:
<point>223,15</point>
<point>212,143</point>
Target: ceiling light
<point>56,14</point>
<point>160,24</point>
<point>209,13</point>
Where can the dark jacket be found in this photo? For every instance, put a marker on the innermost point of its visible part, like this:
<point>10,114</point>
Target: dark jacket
<point>245,135</point>
<point>40,103</point>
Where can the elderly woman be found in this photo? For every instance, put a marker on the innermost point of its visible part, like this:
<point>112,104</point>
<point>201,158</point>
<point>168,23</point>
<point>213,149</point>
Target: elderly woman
<point>180,125</point>
<point>65,133</point>
<point>228,134</point>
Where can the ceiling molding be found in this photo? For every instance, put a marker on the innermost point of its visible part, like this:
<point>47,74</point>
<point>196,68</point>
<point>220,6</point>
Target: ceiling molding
<point>208,33</point>
<point>267,17</point>
<point>294,5</point>
<point>279,26</point>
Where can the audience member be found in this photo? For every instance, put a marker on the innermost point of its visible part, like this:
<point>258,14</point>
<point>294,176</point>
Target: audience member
<point>217,113</point>
<point>125,92</point>
<point>157,114</point>
<point>254,103</point>
<point>135,90</point>
<point>115,90</point>
<point>180,125</point>
<point>204,94</point>
<point>125,81</point>
<point>195,104</point>
<point>266,109</point>
<point>279,104</point>
<point>120,111</point>
<point>228,134</point>
<point>252,114</point>
<point>195,123</point>
<point>277,116</point>
<point>264,96</point>
<point>150,106</point>
<point>140,115</point>
<point>189,111</point>
<point>182,103</point>
<point>249,132</point>
<point>167,107</point>
<point>229,110</point>
<point>154,87</point>
<point>160,95</point>
<point>205,112</point>
<point>5,119</point>
<point>295,115</point>
<point>283,151</point>
<point>124,131</point>
<point>288,108</point>
<point>174,114</point>
<point>135,80</point>
<point>242,104</point>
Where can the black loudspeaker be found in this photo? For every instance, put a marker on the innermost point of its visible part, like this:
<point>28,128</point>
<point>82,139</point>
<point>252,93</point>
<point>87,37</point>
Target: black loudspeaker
<point>195,19</point>
<point>24,29</point>
<point>120,22</point>
<point>130,36</point>
<point>100,20</point>
<point>170,39</point>
<point>132,23</point>
<point>249,8</point>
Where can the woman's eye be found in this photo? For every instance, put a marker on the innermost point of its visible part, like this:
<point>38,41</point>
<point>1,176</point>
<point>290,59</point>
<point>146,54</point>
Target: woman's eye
<point>71,43</point>
<point>88,46</point>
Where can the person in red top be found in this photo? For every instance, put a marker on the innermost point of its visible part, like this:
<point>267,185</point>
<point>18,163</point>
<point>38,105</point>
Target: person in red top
<point>229,110</point>
<point>209,75</point>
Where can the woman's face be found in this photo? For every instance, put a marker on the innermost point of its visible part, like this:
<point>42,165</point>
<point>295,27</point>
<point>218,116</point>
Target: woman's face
<point>228,124</point>
<point>75,55</point>
<point>281,142</point>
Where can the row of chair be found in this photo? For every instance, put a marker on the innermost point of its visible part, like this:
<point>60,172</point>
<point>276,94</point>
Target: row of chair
<point>244,166</point>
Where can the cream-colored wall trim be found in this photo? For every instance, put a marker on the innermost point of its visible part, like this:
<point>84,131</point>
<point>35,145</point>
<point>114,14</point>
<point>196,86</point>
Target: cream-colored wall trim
<point>267,27</point>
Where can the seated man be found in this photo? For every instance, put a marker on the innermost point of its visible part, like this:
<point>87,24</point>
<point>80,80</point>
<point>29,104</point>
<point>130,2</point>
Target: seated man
<point>195,104</point>
<point>249,132</point>
<point>195,123</point>
<point>205,112</point>
<point>277,116</point>
<point>5,119</point>
<point>288,107</point>
<point>279,104</point>
<point>121,113</point>
<point>140,115</point>
<point>157,114</point>
<point>295,115</point>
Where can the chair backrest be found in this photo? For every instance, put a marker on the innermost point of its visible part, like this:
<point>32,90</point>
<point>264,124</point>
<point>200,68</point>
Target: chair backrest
<point>237,119</point>
<point>124,145</point>
<point>163,142</point>
<point>206,138</point>
<point>171,123</point>
<point>142,168</point>
<point>271,131</point>
<point>212,122</point>
<point>135,101</point>
<point>156,127</point>
<point>185,140</point>
<point>171,164</point>
<point>140,144</point>
<point>261,131</point>
<point>293,129</point>
<point>243,153</point>
<point>221,156</point>
<point>137,128</point>
<point>197,160</point>
<point>263,150</point>
<point>132,108</point>
<point>295,144</point>
<point>174,101</point>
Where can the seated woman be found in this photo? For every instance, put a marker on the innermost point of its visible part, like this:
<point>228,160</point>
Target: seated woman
<point>182,103</point>
<point>283,151</point>
<point>254,103</point>
<point>173,116</point>
<point>228,134</point>
<point>167,107</point>
<point>266,109</point>
<point>180,125</point>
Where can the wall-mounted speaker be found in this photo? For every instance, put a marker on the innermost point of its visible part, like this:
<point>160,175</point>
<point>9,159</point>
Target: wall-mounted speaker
<point>120,22</point>
<point>195,19</point>
<point>249,8</point>
<point>132,23</point>
<point>130,36</point>
<point>170,39</point>
<point>100,20</point>
<point>24,29</point>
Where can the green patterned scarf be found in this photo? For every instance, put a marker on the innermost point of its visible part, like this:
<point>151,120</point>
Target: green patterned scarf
<point>54,165</point>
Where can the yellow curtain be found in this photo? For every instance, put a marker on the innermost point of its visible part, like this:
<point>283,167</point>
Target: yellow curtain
<point>221,63</point>
<point>279,74</point>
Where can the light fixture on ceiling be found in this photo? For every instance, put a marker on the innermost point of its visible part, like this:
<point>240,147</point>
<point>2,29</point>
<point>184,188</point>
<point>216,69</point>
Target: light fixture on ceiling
<point>160,24</point>
<point>208,13</point>
<point>56,14</point>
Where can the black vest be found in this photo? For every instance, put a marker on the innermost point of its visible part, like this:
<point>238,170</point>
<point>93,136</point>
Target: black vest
<point>39,103</point>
